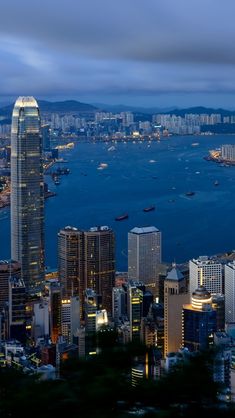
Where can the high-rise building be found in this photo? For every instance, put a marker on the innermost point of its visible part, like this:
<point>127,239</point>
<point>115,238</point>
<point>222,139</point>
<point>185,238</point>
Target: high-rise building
<point>175,295</point>
<point>27,192</point>
<point>144,254</point>
<point>17,309</point>
<point>7,269</point>
<point>206,272</point>
<point>99,263</point>
<point>118,304</point>
<point>46,137</point>
<point>69,260</point>
<point>134,310</point>
<point>229,290</point>
<point>199,321</point>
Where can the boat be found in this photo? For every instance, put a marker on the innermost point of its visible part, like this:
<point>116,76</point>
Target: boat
<point>112,148</point>
<point>56,180</point>
<point>189,193</point>
<point>216,183</point>
<point>149,209</point>
<point>122,217</point>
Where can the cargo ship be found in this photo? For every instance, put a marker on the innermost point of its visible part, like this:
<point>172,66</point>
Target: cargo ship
<point>122,217</point>
<point>149,209</point>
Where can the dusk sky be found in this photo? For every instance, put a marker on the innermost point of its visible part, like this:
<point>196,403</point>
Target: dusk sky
<point>140,52</point>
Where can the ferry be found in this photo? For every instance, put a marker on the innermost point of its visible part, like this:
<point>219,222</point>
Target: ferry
<point>149,209</point>
<point>189,193</point>
<point>122,217</point>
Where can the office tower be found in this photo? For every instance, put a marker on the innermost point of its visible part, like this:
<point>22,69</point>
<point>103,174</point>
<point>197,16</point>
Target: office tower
<point>69,260</point>
<point>118,304</point>
<point>55,311</point>
<point>205,272</point>
<point>134,310</point>
<point>229,290</point>
<point>70,318</point>
<point>101,319</point>
<point>41,327</point>
<point>199,321</point>
<point>91,307</point>
<point>218,303</point>
<point>99,263</point>
<point>46,137</point>
<point>7,269</point>
<point>27,192</point>
<point>175,295</point>
<point>17,309</point>
<point>144,254</point>
<point>75,316</point>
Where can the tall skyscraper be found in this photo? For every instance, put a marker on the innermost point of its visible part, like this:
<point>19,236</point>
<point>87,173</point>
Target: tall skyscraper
<point>134,309</point>
<point>205,272</point>
<point>229,280</point>
<point>175,295</point>
<point>87,260</point>
<point>199,321</point>
<point>27,192</point>
<point>144,254</point>
<point>69,260</point>
<point>99,263</point>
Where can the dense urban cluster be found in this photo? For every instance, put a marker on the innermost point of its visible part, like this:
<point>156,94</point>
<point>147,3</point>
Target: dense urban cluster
<point>172,311</point>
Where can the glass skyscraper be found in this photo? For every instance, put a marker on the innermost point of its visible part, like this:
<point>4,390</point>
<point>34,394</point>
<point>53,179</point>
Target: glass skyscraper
<point>27,192</point>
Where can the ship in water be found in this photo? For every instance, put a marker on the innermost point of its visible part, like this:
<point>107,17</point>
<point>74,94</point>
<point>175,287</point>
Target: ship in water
<point>189,193</point>
<point>122,217</point>
<point>149,209</point>
<point>216,183</point>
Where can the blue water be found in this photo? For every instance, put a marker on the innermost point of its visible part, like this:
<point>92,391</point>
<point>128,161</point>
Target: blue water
<point>191,226</point>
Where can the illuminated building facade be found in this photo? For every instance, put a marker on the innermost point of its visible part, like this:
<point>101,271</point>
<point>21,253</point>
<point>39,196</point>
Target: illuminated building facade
<point>175,295</point>
<point>69,260</point>
<point>99,263</point>
<point>134,310</point>
<point>27,192</point>
<point>199,321</point>
<point>206,272</point>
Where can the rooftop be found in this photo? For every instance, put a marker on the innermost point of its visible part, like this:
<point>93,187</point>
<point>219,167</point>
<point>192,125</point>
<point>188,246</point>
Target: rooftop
<point>144,230</point>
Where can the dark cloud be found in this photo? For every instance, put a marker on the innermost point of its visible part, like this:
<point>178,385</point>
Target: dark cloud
<point>119,47</point>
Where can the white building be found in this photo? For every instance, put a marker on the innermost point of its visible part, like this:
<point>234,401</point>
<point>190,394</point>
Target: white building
<point>144,253</point>
<point>205,272</point>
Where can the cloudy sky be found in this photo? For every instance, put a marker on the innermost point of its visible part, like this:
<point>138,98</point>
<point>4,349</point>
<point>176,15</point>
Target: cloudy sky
<point>139,52</point>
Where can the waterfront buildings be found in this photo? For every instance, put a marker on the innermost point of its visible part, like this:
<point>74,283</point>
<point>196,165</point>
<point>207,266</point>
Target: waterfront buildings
<point>228,152</point>
<point>27,192</point>
<point>144,254</point>
<point>206,272</point>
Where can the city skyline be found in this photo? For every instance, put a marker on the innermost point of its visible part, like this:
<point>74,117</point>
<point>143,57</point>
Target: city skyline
<point>154,54</point>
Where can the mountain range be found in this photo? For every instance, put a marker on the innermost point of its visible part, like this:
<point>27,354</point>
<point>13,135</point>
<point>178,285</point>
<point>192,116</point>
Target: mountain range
<point>75,106</point>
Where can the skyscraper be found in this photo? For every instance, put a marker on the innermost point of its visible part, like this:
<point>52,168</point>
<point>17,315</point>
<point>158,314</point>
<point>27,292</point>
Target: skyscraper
<point>229,279</point>
<point>27,192</point>
<point>87,260</point>
<point>206,272</point>
<point>144,254</point>
<point>99,263</point>
<point>69,260</point>
<point>199,321</point>
<point>175,295</point>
